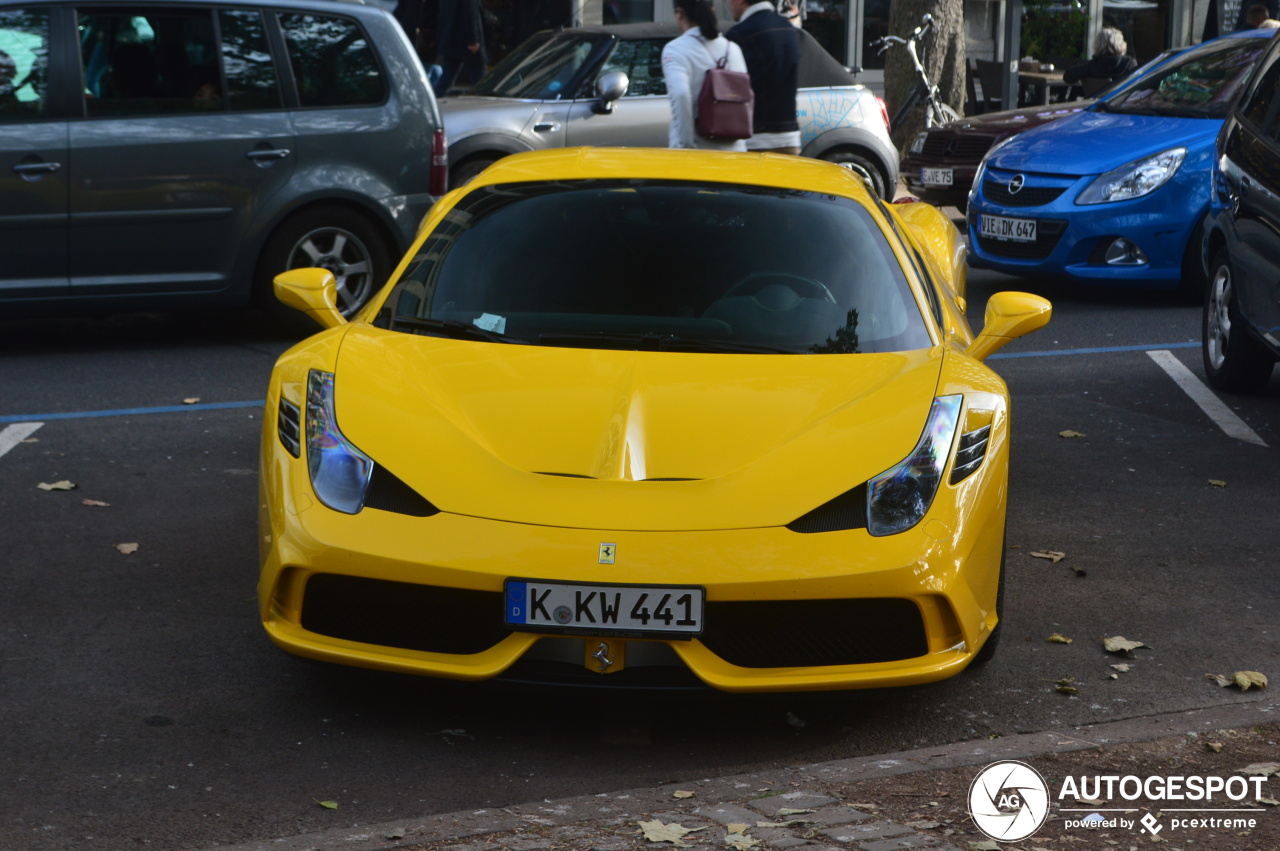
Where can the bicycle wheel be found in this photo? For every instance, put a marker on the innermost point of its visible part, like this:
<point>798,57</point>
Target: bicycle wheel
<point>938,114</point>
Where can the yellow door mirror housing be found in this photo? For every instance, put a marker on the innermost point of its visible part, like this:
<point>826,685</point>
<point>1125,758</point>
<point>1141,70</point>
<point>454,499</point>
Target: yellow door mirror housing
<point>312,291</point>
<point>1008,317</point>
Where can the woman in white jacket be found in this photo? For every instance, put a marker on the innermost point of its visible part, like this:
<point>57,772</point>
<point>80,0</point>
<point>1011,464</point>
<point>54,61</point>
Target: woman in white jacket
<point>685,61</point>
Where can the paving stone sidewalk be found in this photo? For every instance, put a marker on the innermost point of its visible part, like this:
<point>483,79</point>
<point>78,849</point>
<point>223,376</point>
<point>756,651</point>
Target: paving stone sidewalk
<point>783,808</point>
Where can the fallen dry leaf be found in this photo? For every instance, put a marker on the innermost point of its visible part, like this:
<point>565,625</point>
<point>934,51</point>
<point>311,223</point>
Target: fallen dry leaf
<point>398,833</point>
<point>737,827</point>
<point>328,805</point>
<point>30,440</point>
<point>1071,433</point>
<point>681,793</point>
<point>741,841</point>
<point>1216,747</point>
<point>1122,667</point>
<point>1270,802</point>
<point>127,549</point>
<point>1052,555</point>
<point>656,831</point>
<point>1093,802</point>
<point>1120,644</point>
<point>1059,638</point>
<point>63,485</point>
<point>1220,679</point>
<point>792,811</point>
<point>1245,679</point>
<point>191,400</point>
<point>1266,769</point>
<point>987,845</point>
<point>1066,685</point>
<point>1218,483</point>
<point>97,502</point>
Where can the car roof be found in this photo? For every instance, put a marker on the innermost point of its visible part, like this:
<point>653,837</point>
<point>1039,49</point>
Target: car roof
<point>297,4</point>
<point>742,169</point>
<point>818,68</point>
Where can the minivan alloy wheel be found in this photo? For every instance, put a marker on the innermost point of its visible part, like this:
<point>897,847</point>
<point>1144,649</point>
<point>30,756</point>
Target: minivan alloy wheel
<point>345,255</point>
<point>1218,319</point>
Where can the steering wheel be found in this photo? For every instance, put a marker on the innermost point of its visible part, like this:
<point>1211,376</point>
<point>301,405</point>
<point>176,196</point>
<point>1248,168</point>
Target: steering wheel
<point>802,286</point>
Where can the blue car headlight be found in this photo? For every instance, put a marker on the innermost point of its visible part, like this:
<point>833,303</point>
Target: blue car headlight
<point>340,472</point>
<point>1138,178</point>
<point>898,498</point>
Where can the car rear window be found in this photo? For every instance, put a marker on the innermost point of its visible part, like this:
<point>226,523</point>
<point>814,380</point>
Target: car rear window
<point>661,265</point>
<point>1201,83</point>
<point>24,62</point>
<point>332,61</point>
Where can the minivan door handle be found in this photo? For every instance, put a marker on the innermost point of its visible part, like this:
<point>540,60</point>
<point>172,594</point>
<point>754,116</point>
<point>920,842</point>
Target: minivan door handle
<point>26,169</point>
<point>545,126</point>
<point>269,154</point>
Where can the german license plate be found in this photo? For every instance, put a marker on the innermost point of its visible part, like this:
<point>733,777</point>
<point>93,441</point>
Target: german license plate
<point>576,608</point>
<point>936,176</point>
<point>1011,230</point>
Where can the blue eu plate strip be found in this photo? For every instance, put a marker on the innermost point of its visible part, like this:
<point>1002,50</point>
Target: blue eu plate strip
<point>517,592</point>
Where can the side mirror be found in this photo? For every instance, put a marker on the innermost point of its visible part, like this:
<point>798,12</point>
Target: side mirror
<point>610,87</point>
<point>1009,316</point>
<point>312,291</point>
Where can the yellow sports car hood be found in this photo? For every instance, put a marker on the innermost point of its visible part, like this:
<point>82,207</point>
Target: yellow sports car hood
<point>609,439</point>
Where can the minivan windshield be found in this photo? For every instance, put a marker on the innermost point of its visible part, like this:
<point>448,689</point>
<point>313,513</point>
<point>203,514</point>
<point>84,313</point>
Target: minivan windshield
<point>660,265</point>
<point>542,68</point>
<point>1200,83</point>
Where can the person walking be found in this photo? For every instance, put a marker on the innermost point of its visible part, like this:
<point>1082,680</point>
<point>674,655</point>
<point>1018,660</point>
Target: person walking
<point>771,46</point>
<point>459,43</point>
<point>685,62</point>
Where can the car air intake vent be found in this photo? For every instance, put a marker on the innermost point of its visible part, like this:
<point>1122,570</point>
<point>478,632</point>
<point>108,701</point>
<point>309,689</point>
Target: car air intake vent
<point>847,511</point>
<point>289,426</point>
<point>973,448</point>
<point>388,493</point>
<point>671,479</point>
<point>564,475</point>
<point>402,614</point>
<point>804,633</point>
<point>1028,196</point>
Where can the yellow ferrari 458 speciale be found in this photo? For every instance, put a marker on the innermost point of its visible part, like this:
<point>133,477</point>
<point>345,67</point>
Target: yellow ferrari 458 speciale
<point>644,417</point>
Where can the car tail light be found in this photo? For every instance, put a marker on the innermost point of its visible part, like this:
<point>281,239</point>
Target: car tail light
<point>906,199</point>
<point>884,113</point>
<point>439,164</point>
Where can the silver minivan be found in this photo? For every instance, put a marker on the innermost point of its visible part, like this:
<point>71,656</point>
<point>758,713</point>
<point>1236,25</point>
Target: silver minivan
<point>604,86</point>
<point>182,153</point>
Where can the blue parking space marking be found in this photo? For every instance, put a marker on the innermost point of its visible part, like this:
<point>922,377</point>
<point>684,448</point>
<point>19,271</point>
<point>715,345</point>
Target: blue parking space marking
<point>130,412</point>
<point>258,403</point>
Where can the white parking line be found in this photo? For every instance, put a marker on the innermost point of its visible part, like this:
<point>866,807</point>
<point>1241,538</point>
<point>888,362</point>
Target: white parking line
<point>1214,407</point>
<point>15,434</point>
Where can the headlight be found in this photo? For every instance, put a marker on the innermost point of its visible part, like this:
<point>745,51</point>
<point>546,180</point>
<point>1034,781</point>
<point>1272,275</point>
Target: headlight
<point>898,498</point>
<point>340,473</point>
<point>1135,179</point>
<point>918,144</point>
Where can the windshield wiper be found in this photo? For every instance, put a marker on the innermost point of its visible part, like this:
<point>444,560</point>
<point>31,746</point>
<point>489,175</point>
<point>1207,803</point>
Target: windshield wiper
<point>660,342</point>
<point>452,328</point>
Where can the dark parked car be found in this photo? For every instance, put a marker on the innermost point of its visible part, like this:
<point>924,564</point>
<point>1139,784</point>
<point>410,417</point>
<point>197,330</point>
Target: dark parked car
<point>1241,338</point>
<point>181,153</point>
<point>603,86</point>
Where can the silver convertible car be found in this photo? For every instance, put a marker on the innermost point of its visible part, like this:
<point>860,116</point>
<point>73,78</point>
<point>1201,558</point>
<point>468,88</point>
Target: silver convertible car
<point>603,86</point>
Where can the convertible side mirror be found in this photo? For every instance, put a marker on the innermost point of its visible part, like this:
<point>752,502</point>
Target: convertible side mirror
<point>312,291</point>
<point>609,88</point>
<point>1008,317</point>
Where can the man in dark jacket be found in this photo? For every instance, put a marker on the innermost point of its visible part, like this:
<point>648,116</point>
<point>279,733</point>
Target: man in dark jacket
<point>459,42</point>
<point>771,47</point>
<point>1109,61</point>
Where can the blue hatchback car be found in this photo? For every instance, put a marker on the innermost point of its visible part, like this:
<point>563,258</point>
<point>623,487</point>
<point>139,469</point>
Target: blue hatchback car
<point>1115,195</point>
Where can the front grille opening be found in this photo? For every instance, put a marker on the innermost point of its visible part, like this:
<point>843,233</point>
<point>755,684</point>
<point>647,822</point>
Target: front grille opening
<point>805,633</point>
<point>969,455</point>
<point>402,614</point>
<point>289,427</point>
<point>847,511</point>
<point>1027,196</point>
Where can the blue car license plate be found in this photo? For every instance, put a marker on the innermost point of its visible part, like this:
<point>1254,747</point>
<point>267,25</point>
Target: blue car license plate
<point>1011,230</point>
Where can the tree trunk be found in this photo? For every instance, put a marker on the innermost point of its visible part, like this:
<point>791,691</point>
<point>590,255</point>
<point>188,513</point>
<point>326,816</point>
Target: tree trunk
<point>942,54</point>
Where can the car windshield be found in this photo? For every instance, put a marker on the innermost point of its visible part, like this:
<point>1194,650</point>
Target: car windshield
<point>660,265</point>
<point>542,68</point>
<point>1201,83</point>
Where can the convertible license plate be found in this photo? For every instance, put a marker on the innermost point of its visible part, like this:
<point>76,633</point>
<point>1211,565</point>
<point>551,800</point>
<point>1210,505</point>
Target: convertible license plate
<point>936,176</point>
<point>574,608</point>
<point>1012,230</point>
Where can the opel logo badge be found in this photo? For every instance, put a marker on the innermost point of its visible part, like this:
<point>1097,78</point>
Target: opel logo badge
<point>1015,185</point>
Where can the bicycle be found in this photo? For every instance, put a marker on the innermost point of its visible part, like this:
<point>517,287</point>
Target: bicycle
<point>936,112</point>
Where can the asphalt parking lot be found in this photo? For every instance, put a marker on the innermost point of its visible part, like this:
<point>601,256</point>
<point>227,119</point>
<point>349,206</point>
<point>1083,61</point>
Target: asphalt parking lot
<point>144,707</point>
